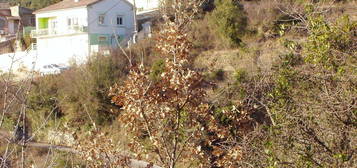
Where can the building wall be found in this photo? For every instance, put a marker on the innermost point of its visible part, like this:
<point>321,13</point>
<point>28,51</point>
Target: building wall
<point>144,5</point>
<point>27,17</point>
<point>62,17</point>
<point>3,23</point>
<point>112,9</point>
<point>12,29</point>
<point>63,49</point>
<point>5,12</point>
<point>28,20</point>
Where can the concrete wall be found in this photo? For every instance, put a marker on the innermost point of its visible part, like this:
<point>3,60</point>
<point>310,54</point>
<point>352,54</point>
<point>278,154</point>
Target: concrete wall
<point>63,49</point>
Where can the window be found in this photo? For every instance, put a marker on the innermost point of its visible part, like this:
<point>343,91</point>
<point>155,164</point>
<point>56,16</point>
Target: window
<point>101,19</point>
<point>69,21</point>
<point>72,21</point>
<point>53,23</point>
<point>119,20</point>
<point>33,21</point>
<point>75,21</point>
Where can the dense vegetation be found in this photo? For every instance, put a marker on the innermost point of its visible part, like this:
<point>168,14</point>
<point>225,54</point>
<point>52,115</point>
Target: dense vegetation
<point>33,4</point>
<point>240,84</point>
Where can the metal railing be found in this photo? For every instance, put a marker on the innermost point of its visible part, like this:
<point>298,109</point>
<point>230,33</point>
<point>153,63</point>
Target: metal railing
<point>57,32</point>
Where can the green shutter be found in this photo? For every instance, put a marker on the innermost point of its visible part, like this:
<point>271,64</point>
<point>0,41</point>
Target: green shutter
<point>43,23</point>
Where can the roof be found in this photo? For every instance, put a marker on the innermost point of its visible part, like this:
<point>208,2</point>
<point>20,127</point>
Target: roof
<point>13,17</point>
<point>147,14</point>
<point>4,5</point>
<point>65,4</point>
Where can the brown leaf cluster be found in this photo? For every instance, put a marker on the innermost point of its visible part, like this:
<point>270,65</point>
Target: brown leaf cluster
<point>172,113</point>
<point>101,152</point>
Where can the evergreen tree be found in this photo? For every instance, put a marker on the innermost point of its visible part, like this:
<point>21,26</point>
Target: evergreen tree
<point>229,19</point>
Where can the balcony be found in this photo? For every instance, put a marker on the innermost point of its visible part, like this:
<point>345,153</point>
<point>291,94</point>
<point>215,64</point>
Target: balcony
<point>58,32</point>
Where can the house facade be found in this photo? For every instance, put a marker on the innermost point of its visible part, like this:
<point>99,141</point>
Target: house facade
<point>75,29</point>
<point>13,19</point>
<point>143,6</point>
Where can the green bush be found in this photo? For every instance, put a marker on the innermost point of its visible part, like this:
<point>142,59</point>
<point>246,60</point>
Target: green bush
<point>240,76</point>
<point>76,94</point>
<point>84,90</point>
<point>229,20</point>
<point>328,44</point>
<point>157,69</point>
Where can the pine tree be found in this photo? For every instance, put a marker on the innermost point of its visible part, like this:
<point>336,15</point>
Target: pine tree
<point>229,20</point>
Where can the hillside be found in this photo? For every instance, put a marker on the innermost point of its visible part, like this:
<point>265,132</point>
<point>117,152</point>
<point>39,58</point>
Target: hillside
<point>32,4</point>
<point>225,84</point>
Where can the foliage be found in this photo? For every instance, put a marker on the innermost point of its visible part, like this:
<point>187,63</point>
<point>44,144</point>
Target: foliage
<point>170,116</point>
<point>76,97</point>
<point>34,4</point>
<point>157,69</point>
<point>43,102</point>
<point>229,19</point>
<point>240,75</point>
<point>85,90</point>
<point>216,75</point>
<point>101,152</point>
<point>312,103</point>
<point>203,36</point>
<point>328,44</point>
<point>300,113</point>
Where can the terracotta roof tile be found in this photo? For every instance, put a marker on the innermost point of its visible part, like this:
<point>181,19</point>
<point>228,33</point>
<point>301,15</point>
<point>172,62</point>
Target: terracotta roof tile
<point>67,4</point>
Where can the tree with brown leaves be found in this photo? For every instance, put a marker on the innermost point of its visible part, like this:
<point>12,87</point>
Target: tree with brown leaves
<point>170,117</point>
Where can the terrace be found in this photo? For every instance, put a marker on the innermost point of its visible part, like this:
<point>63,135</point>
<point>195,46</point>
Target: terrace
<point>58,32</point>
<point>49,27</point>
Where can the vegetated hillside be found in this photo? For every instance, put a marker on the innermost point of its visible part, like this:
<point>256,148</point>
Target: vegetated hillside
<point>278,89</point>
<point>33,4</point>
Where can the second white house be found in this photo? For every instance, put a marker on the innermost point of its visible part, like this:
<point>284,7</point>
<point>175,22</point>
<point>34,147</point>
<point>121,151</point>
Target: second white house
<point>74,29</point>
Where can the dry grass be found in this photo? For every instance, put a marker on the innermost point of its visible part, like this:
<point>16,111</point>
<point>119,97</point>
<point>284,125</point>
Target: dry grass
<point>261,12</point>
<point>339,9</point>
<point>251,58</point>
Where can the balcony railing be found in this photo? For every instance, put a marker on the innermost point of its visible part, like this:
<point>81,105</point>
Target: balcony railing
<point>58,32</point>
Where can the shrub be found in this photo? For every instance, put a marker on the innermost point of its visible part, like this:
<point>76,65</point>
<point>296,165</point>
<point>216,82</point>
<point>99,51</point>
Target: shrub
<point>77,93</point>
<point>43,102</point>
<point>229,20</point>
<point>203,37</point>
<point>310,102</point>
<point>329,44</point>
<point>216,75</point>
<point>240,75</point>
<point>27,40</point>
<point>157,69</point>
<point>84,90</point>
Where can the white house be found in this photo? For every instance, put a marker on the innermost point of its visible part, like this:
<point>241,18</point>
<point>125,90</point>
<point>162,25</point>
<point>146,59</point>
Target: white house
<point>146,5</point>
<point>74,29</point>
